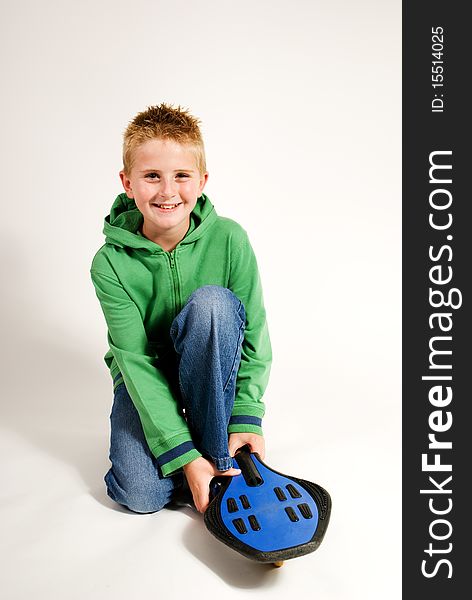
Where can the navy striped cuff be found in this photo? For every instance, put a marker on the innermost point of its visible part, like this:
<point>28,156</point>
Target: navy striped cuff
<point>175,453</point>
<point>245,420</point>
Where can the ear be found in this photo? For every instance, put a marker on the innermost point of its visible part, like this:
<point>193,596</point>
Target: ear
<point>126,184</point>
<point>203,180</point>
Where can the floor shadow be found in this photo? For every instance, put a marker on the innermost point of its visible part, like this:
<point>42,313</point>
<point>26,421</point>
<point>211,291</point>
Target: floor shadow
<point>233,568</point>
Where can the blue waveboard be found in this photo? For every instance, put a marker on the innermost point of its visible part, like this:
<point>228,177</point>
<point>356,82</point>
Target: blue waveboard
<point>265,515</point>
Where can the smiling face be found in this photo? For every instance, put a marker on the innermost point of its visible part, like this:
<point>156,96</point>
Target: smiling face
<point>165,184</point>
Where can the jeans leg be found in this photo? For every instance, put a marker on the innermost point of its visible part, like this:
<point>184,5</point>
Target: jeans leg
<point>207,336</point>
<point>135,479</point>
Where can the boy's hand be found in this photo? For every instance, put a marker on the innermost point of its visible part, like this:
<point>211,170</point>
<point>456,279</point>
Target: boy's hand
<point>199,473</point>
<point>237,440</point>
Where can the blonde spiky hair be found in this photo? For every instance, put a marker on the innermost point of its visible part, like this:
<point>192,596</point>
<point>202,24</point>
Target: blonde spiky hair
<point>167,123</point>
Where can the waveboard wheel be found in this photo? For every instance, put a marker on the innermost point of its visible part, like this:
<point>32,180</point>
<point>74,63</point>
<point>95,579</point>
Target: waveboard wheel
<point>278,563</point>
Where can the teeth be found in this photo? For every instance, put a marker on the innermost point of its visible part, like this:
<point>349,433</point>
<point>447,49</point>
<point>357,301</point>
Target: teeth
<point>167,206</point>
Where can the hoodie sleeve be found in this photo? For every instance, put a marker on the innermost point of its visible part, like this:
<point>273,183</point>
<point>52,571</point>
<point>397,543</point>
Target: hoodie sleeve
<point>256,354</point>
<point>165,428</point>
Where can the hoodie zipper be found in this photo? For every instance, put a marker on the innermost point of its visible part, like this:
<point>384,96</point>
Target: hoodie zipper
<point>175,279</point>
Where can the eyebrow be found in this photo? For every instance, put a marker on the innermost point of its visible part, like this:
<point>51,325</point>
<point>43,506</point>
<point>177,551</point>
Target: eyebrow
<point>175,170</point>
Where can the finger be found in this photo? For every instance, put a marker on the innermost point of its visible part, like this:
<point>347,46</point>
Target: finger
<point>202,501</point>
<point>259,451</point>
<point>230,472</point>
<point>233,447</point>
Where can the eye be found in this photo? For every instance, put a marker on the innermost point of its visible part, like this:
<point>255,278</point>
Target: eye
<point>151,175</point>
<point>182,174</point>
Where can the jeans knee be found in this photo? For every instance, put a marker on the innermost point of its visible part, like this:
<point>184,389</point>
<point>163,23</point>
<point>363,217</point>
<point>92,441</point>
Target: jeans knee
<point>145,503</point>
<point>138,499</point>
<point>211,312</point>
<point>216,300</point>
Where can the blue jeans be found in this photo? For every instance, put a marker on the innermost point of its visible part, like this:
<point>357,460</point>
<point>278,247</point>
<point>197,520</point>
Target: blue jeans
<point>207,336</point>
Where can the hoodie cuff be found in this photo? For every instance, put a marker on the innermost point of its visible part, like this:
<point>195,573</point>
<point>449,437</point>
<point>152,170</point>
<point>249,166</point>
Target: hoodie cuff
<point>175,459</point>
<point>245,424</point>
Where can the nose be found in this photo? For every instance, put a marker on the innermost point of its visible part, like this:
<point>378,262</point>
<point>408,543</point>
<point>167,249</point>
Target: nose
<point>167,188</point>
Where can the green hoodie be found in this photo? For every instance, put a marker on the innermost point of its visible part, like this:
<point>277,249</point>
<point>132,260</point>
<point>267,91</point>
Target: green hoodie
<point>141,288</point>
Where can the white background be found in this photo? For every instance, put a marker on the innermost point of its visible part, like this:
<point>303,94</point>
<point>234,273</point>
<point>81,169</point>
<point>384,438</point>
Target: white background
<point>301,116</point>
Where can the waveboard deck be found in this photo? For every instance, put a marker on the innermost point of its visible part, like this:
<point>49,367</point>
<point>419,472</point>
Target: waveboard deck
<point>265,515</point>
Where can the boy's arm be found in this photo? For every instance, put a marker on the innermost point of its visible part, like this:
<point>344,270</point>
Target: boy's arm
<point>165,428</point>
<point>256,355</point>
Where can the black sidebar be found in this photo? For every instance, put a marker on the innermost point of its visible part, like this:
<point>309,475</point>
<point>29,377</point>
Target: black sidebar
<point>437,270</point>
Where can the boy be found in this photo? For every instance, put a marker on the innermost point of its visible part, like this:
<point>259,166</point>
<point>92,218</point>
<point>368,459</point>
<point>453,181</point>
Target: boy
<point>189,350</point>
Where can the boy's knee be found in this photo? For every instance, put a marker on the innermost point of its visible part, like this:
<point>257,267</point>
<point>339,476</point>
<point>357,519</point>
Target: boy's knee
<point>137,498</point>
<point>216,299</point>
<point>141,503</point>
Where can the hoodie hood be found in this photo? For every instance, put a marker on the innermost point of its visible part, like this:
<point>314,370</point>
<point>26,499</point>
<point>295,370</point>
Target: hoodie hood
<point>124,220</point>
